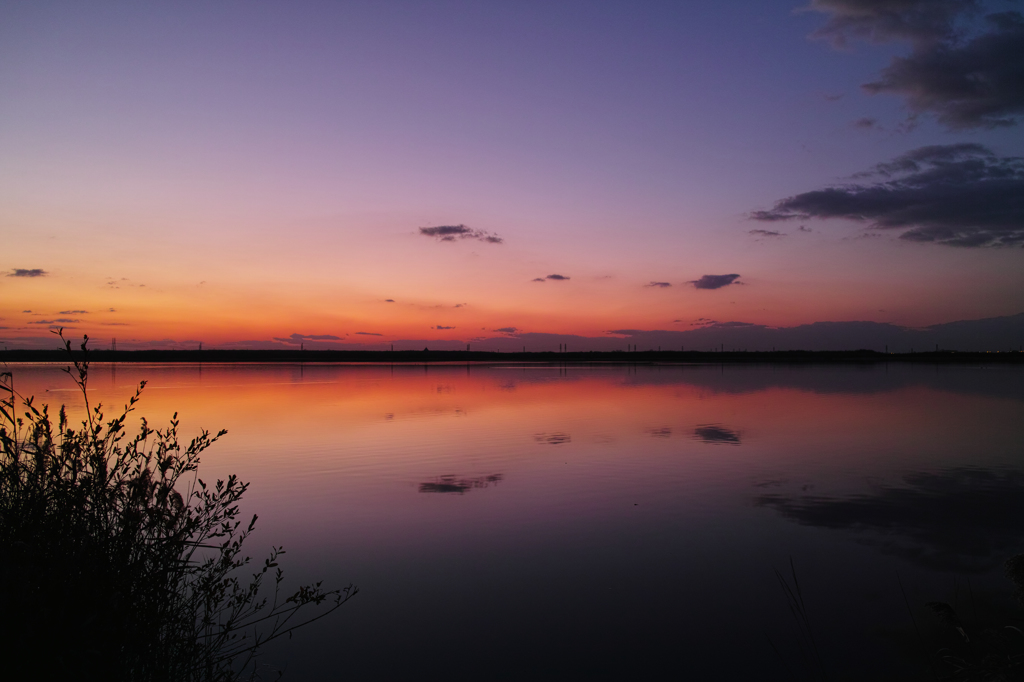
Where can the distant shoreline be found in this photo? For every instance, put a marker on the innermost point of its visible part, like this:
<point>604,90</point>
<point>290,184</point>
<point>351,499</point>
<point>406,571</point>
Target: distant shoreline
<point>214,356</point>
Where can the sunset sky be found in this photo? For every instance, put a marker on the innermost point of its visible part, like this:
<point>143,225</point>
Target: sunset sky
<point>263,174</point>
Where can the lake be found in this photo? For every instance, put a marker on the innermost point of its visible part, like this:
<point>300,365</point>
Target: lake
<point>614,521</point>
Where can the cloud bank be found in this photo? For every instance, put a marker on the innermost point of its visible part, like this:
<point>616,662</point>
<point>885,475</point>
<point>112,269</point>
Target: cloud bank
<point>25,272</point>
<point>959,195</point>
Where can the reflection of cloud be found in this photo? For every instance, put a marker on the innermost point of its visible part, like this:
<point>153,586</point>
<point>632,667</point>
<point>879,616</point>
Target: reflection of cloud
<point>660,432</point>
<point>451,484</point>
<point>716,434</point>
<point>962,519</point>
<point>714,281</point>
<point>449,233</point>
<point>957,194</point>
<point>24,272</point>
<point>552,438</point>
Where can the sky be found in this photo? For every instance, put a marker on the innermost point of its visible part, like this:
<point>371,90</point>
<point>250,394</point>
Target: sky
<point>349,174</point>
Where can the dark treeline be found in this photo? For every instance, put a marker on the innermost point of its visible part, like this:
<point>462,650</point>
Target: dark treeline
<point>440,356</point>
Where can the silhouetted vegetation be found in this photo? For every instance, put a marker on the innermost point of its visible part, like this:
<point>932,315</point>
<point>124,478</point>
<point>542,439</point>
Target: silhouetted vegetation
<point>117,562</point>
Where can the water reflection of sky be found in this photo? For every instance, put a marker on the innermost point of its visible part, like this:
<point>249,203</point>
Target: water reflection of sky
<point>605,522</point>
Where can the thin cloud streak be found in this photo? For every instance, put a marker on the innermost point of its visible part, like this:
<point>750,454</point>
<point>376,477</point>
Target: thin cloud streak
<point>451,233</point>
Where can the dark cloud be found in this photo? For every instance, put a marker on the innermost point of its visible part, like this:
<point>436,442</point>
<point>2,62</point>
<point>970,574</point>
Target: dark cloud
<point>537,279</point>
<point>716,434</point>
<point>59,320</point>
<point>960,520</point>
<point>804,228</point>
<point>660,285</point>
<point>967,75</point>
<point>450,233</point>
<point>26,311</point>
<point>73,312</point>
<point>460,305</point>
<point>507,330</point>
<point>441,326</point>
<point>767,233</point>
<point>451,484</point>
<point>23,272</point>
<point>714,281</point>
<point>558,278</point>
<point>979,84</point>
<point>959,194</point>
<point>389,300</point>
<point>369,334</point>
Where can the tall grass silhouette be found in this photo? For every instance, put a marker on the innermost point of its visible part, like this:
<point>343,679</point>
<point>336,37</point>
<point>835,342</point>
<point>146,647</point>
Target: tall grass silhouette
<point>118,562</point>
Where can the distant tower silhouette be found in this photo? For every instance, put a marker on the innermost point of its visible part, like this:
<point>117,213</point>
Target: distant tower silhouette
<point>113,344</point>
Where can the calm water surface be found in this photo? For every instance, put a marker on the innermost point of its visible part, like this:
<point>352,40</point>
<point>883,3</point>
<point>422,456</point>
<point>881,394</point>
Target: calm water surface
<point>614,522</point>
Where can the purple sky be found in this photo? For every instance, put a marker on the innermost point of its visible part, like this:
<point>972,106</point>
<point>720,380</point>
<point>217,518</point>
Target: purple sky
<point>264,169</point>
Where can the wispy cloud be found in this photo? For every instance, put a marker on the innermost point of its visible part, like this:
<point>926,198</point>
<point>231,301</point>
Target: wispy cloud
<point>369,334</point>
<point>767,233</point>
<point>441,326</point>
<point>451,233</point>
<point>866,123</point>
<point>714,281</point>
<point>59,320</point>
<point>659,285</point>
<point>73,312</point>
<point>507,330</point>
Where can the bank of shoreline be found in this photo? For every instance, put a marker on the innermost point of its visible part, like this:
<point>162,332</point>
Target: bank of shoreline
<point>214,356</point>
